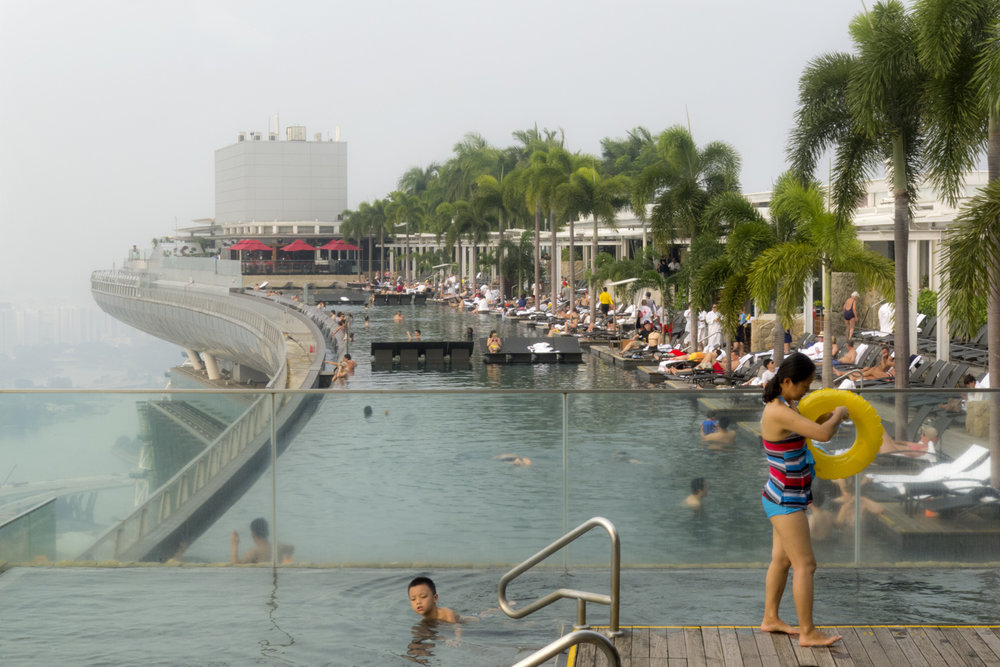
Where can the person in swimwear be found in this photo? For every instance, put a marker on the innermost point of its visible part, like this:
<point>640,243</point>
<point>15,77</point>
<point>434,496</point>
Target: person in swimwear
<point>850,313</point>
<point>787,493</point>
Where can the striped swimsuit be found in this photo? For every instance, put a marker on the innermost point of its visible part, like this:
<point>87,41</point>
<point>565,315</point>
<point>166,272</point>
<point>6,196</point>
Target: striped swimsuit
<point>789,476</point>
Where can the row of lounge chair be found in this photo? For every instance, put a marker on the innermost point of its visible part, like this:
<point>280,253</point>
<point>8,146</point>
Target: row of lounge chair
<point>944,488</point>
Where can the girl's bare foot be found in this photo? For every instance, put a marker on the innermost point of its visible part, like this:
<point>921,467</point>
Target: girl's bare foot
<point>779,625</point>
<point>817,638</point>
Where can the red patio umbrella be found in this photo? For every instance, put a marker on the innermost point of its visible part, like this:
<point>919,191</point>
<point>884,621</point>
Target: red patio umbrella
<point>339,244</point>
<point>249,244</point>
<point>297,245</point>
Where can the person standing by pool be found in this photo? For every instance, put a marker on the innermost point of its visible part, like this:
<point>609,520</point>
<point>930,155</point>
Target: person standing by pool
<point>788,492</point>
<point>850,313</point>
<point>605,300</point>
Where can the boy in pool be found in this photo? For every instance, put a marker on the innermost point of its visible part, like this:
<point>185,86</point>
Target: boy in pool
<point>423,600</point>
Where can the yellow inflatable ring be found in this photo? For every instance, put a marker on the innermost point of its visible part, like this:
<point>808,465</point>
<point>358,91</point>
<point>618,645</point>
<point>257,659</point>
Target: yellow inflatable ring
<point>866,421</point>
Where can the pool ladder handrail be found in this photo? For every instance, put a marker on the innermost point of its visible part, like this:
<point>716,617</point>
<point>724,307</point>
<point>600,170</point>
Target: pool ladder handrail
<point>572,639</point>
<point>582,597</point>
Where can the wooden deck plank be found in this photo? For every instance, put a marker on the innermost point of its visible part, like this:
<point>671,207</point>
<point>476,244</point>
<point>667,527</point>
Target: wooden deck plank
<point>961,646</point>
<point>640,643</point>
<point>981,648</point>
<point>951,655</point>
<point>713,647</point>
<point>676,647</point>
<point>765,645</point>
<point>859,656</point>
<point>906,645</point>
<point>990,638</point>
<point>623,643</point>
<point>928,647</point>
<point>784,649</point>
<point>727,646</point>
<point>658,643</point>
<point>876,653</point>
<point>730,647</point>
<point>748,647</point>
<point>694,646</point>
<point>887,642</point>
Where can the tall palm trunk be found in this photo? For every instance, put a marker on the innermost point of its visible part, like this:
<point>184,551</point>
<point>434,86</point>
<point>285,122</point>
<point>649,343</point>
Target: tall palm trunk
<point>553,263</point>
<point>406,274</point>
<point>993,312</point>
<point>692,317</point>
<point>538,253</point>
<point>901,238</point>
<point>572,266</point>
<point>592,296</point>
<point>827,326</point>
<point>371,255</point>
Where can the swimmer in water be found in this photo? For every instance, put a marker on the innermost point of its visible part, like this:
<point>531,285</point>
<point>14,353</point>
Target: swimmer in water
<point>398,317</point>
<point>423,600</point>
<point>698,491</point>
<point>514,459</point>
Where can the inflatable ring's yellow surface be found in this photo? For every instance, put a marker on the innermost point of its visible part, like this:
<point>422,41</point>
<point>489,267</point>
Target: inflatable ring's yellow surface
<point>866,421</point>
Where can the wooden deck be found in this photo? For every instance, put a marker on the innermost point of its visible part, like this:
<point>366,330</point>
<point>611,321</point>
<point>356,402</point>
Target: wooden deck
<point>876,645</point>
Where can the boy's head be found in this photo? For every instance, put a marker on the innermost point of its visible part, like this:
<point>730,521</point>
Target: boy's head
<point>423,596</point>
<point>710,415</point>
<point>698,486</point>
<point>258,528</point>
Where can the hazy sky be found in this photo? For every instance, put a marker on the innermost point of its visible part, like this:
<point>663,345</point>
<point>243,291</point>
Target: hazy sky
<point>111,111</point>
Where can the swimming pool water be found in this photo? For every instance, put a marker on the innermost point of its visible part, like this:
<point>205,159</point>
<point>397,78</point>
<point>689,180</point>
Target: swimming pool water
<point>208,616</point>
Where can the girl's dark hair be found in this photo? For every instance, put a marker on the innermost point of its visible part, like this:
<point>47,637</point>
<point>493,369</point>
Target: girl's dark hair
<point>796,367</point>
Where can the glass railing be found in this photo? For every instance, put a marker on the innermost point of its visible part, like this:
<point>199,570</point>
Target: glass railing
<point>467,478</point>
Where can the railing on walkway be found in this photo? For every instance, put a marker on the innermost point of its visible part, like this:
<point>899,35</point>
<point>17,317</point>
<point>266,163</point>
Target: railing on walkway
<point>189,480</point>
<point>573,639</point>
<point>582,597</point>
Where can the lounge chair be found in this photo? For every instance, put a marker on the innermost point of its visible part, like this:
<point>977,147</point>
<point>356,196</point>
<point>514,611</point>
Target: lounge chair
<point>967,460</point>
<point>917,493</point>
<point>965,499</point>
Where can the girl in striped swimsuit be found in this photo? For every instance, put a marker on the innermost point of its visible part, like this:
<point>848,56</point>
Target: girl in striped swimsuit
<point>787,493</point>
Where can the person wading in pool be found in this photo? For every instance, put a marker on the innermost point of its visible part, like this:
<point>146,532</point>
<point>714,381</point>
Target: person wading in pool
<point>788,492</point>
<point>423,600</point>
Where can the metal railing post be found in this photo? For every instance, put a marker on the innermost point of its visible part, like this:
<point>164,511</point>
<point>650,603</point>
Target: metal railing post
<point>565,448</point>
<point>274,482</point>
<point>582,597</point>
<point>573,639</point>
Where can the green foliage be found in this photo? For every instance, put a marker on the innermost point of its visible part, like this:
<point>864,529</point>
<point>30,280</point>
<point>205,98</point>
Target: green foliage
<point>927,302</point>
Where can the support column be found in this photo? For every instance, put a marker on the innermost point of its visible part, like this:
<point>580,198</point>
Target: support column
<point>211,366</point>
<point>195,359</point>
<point>942,348</point>
<point>913,278</point>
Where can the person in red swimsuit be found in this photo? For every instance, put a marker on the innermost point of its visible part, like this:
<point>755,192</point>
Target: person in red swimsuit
<point>788,492</point>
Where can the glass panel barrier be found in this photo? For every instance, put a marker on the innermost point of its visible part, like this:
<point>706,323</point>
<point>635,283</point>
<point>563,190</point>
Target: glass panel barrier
<point>444,477</point>
<point>432,477</point>
<point>928,495</point>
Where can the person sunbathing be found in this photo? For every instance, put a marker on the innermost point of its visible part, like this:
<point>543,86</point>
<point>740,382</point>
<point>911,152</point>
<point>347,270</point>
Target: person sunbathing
<point>883,369</point>
<point>926,444</point>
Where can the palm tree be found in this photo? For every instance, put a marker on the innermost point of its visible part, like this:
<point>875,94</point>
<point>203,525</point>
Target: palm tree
<point>822,243</point>
<point>959,44</point>
<point>404,209</point>
<point>867,107</point>
<point>679,187</point>
<point>749,236</point>
<point>586,193</point>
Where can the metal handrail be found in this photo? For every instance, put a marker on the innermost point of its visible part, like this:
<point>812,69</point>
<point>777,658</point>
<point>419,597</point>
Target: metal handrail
<point>572,639</point>
<point>582,597</point>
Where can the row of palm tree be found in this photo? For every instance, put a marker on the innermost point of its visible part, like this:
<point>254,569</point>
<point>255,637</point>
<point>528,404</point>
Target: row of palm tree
<point>917,96</point>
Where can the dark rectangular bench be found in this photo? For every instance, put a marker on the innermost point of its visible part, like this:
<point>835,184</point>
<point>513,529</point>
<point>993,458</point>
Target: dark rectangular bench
<point>409,352</point>
<point>516,350</point>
